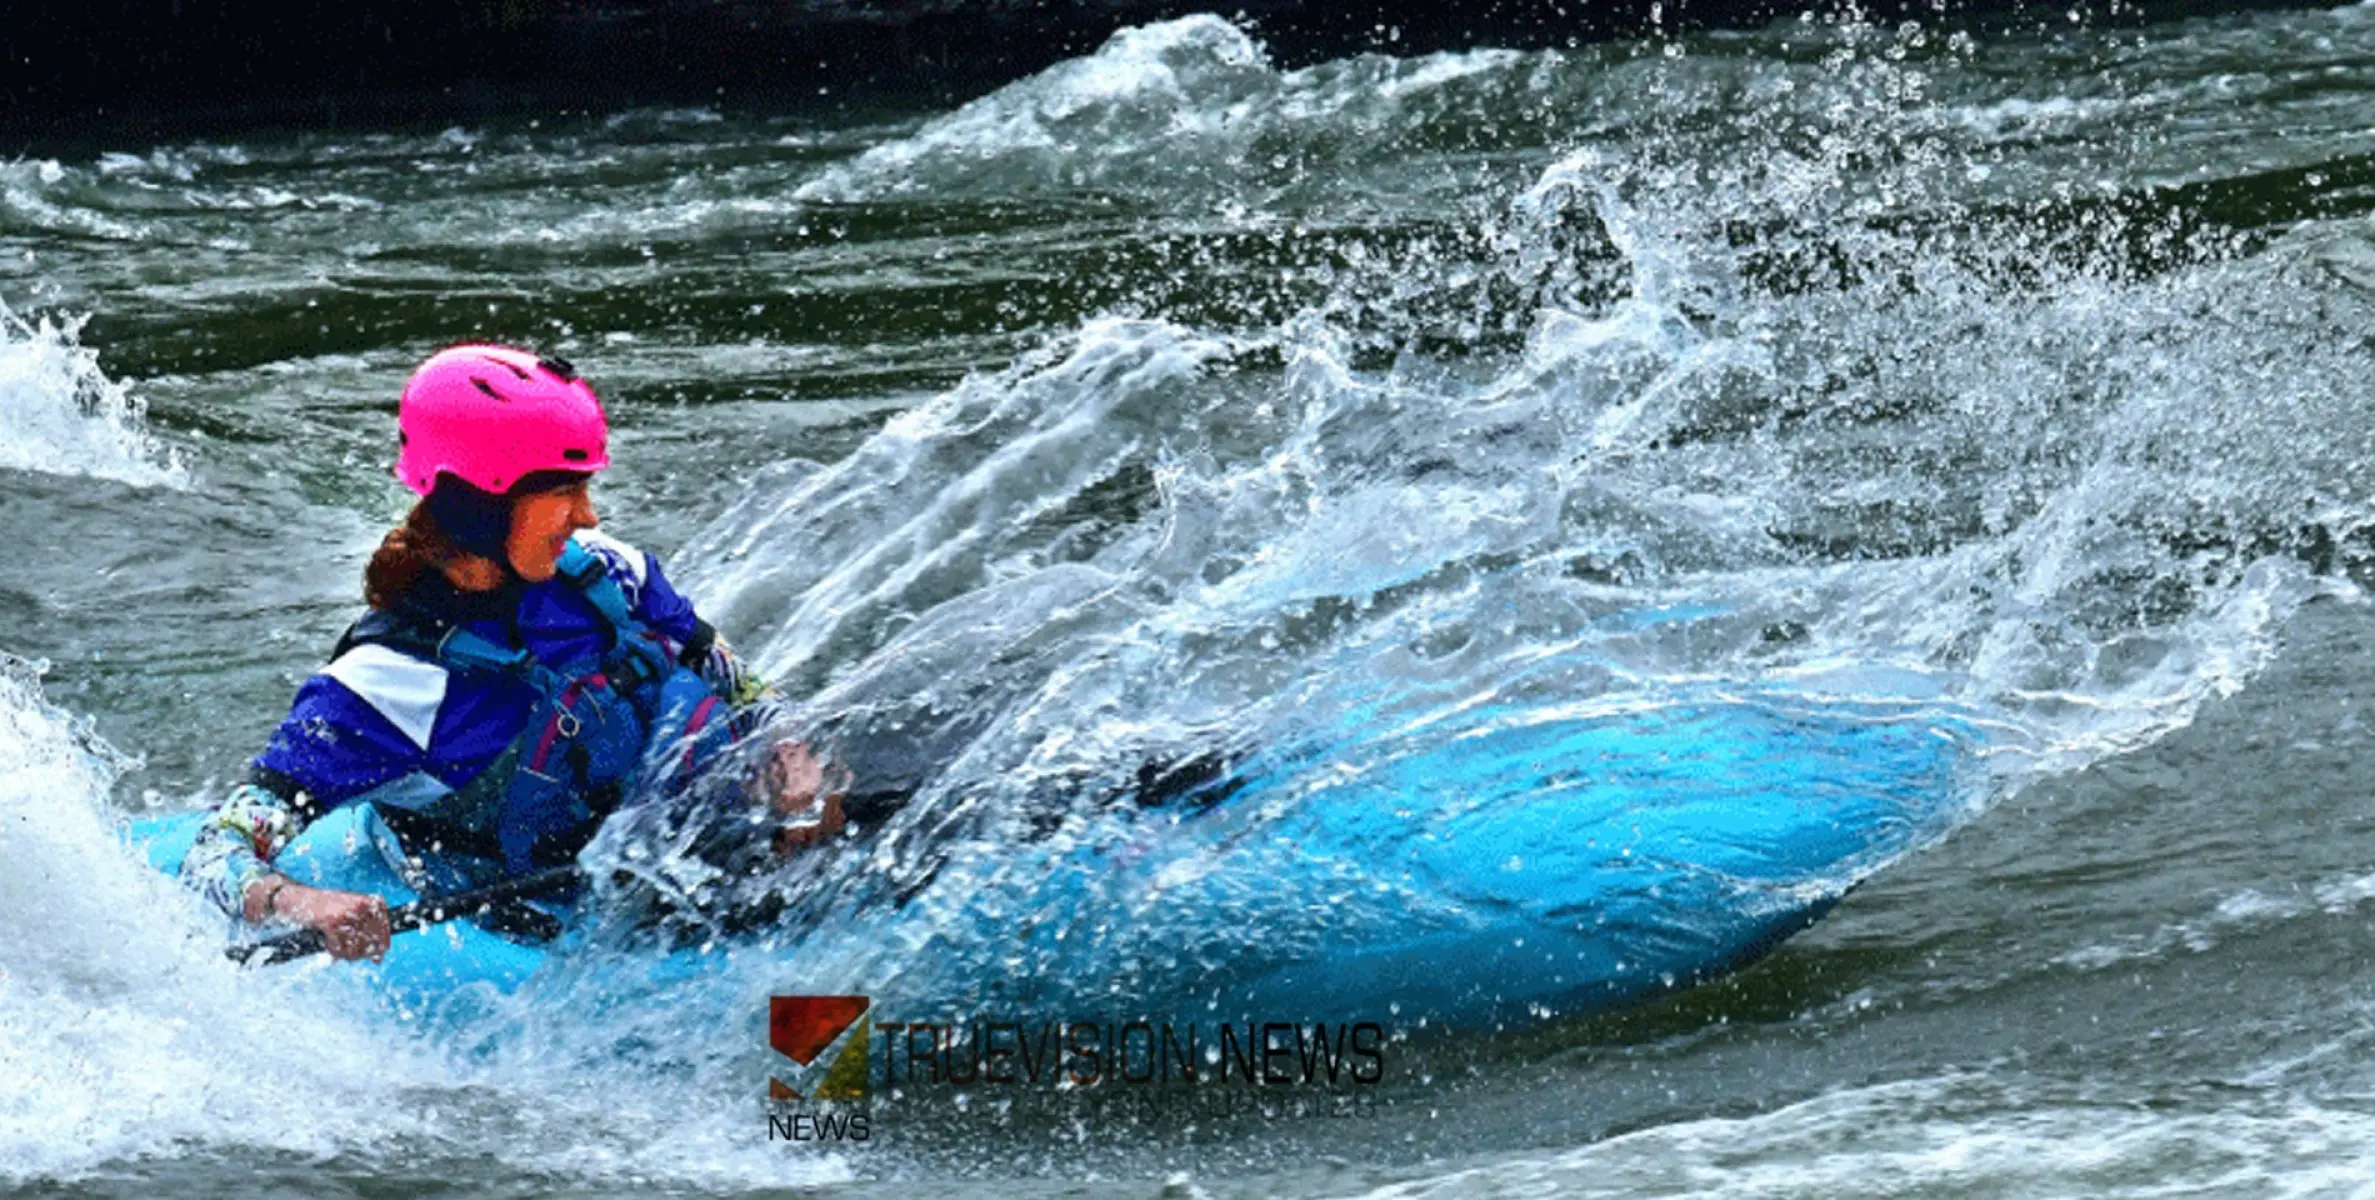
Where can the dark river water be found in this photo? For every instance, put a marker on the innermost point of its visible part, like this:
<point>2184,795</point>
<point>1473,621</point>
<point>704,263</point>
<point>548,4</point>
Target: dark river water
<point>1151,397</point>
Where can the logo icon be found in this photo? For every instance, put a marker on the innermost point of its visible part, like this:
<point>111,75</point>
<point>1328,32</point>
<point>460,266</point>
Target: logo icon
<point>804,1029</point>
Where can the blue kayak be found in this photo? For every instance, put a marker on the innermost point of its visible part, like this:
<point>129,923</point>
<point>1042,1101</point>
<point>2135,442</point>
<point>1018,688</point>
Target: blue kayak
<point>1508,867</point>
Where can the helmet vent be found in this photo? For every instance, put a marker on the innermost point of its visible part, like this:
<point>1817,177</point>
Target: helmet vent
<point>514,368</point>
<point>558,366</point>
<point>486,387</point>
<point>575,455</point>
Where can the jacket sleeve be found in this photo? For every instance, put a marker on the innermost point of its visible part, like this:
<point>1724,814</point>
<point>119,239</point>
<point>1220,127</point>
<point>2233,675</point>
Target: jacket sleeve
<point>236,844</point>
<point>334,745</point>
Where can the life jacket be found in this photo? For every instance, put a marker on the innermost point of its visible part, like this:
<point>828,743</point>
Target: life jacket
<point>625,724</point>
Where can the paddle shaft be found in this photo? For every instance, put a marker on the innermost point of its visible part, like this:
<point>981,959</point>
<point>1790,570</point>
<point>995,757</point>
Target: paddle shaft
<point>299,943</point>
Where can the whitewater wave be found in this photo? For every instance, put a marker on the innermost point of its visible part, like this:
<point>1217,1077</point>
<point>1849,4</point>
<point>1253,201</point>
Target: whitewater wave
<point>1190,108</point>
<point>1960,1133</point>
<point>47,195</point>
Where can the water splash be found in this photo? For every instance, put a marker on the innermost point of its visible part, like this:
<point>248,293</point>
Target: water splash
<point>122,1028</point>
<point>61,415</point>
<point>1882,418</point>
<point>126,1036</point>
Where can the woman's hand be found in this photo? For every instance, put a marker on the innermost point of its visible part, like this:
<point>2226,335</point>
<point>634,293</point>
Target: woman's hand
<point>353,924</point>
<point>805,793</point>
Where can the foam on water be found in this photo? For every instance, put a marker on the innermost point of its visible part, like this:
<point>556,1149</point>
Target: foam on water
<point>61,415</point>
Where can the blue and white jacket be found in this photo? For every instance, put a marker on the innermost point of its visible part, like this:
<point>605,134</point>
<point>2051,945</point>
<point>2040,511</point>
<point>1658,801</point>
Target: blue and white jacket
<point>378,719</point>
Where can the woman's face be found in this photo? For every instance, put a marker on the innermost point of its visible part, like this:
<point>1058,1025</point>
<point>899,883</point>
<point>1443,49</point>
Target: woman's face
<point>541,523</point>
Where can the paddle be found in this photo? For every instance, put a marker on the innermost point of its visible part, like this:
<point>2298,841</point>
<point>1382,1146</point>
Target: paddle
<point>427,911</point>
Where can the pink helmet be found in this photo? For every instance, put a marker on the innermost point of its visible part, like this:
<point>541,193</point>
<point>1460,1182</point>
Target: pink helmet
<point>490,415</point>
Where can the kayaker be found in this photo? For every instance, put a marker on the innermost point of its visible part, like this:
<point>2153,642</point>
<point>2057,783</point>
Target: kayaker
<point>517,677</point>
